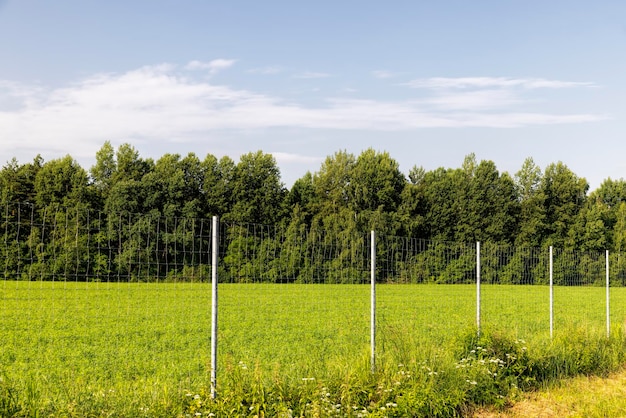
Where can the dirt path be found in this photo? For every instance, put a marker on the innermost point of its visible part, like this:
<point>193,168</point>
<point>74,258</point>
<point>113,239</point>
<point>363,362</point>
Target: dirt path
<point>579,397</point>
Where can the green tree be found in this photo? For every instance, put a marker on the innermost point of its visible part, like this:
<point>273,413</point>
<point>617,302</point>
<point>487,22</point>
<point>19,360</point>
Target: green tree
<point>565,194</point>
<point>193,172</point>
<point>117,179</point>
<point>130,166</point>
<point>619,230</point>
<point>164,187</point>
<point>589,231</point>
<point>331,183</point>
<point>104,169</point>
<point>488,204</point>
<point>258,193</point>
<point>376,182</point>
<point>413,206</point>
<point>618,264</point>
<point>441,189</point>
<point>294,249</point>
<point>532,205</point>
<point>609,195</point>
<point>62,181</point>
<point>217,185</point>
<point>17,182</point>
<point>301,198</point>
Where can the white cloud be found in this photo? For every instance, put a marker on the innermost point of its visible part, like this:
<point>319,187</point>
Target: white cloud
<point>11,88</point>
<point>266,70</point>
<point>212,67</point>
<point>476,100</point>
<point>478,94</point>
<point>492,82</point>
<point>160,104</point>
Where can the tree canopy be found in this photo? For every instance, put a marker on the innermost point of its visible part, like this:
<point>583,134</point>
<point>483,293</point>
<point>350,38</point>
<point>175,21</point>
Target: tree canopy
<point>474,202</point>
<point>140,219</point>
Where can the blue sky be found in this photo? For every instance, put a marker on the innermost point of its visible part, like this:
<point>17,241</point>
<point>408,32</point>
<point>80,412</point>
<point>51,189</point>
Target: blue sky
<point>429,82</point>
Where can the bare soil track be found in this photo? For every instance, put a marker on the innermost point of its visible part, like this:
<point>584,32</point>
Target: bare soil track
<point>586,396</point>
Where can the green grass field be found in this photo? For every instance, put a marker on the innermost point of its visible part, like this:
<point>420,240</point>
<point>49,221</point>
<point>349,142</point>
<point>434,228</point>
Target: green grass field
<point>122,349</point>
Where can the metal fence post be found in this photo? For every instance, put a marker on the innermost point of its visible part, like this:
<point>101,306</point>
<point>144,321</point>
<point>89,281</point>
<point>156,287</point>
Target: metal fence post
<point>214,279</point>
<point>478,301</point>
<point>373,302</point>
<point>551,295</point>
<point>608,309</point>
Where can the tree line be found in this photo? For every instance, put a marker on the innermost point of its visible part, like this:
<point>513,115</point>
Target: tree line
<point>347,197</point>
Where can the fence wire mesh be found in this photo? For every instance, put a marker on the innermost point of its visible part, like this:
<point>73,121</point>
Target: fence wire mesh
<point>128,294</point>
<point>292,297</point>
<point>90,294</point>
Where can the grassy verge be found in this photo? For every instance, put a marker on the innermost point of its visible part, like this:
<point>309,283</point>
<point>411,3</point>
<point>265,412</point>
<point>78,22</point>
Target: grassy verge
<point>119,350</point>
<point>582,396</point>
<point>493,370</point>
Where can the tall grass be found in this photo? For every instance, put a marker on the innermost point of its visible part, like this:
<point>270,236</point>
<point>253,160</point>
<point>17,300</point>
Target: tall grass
<point>119,349</point>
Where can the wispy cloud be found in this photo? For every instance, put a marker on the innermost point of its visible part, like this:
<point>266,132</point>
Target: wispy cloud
<point>266,70</point>
<point>383,74</point>
<point>493,82</point>
<point>160,103</point>
<point>475,100</point>
<point>212,67</point>
<point>12,88</point>
<point>311,74</point>
<point>494,94</point>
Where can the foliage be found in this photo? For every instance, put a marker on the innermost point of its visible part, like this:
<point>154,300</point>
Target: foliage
<point>58,243</point>
<point>475,202</point>
<point>137,219</point>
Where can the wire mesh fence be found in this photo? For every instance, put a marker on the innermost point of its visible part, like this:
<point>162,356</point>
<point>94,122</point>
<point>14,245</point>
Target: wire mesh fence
<point>93,297</point>
<point>125,294</point>
<point>514,292</point>
<point>291,297</point>
<point>74,244</point>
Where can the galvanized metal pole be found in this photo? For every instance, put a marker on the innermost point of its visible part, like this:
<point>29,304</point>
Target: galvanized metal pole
<point>214,279</point>
<point>478,287</point>
<point>373,302</point>
<point>551,296</point>
<point>608,298</point>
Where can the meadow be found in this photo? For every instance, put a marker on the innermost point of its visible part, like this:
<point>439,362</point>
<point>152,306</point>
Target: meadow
<point>143,349</point>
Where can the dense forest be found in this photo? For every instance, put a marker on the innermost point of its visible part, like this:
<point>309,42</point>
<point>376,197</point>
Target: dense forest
<point>532,208</point>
